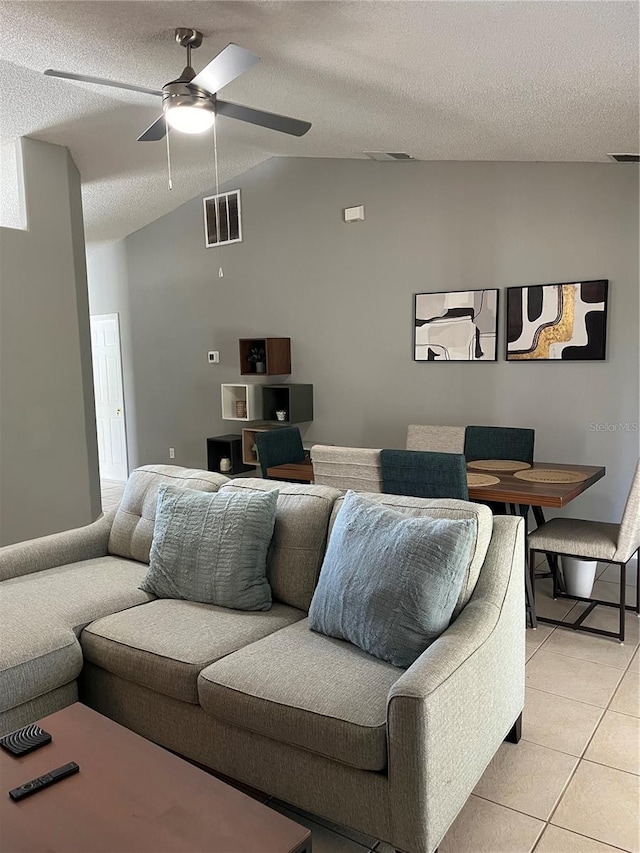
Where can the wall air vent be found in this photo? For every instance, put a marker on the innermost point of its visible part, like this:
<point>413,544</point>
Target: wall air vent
<point>222,220</point>
<point>388,156</point>
<point>625,158</point>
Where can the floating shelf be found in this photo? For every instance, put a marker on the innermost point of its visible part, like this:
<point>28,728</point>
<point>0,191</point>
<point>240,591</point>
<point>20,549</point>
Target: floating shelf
<point>249,456</point>
<point>229,446</point>
<point>295,399</point>
<point>250,395</point>
<point>277,356</point>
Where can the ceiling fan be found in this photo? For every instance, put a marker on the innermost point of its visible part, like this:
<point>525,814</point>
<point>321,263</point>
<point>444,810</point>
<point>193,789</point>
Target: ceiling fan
<point>190,103</point>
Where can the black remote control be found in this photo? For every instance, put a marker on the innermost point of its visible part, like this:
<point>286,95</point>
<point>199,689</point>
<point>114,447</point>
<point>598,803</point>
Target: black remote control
<point>25,740</point>
<point>44,781</point>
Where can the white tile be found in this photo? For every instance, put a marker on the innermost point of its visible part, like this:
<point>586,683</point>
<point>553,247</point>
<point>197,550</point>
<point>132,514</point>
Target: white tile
<point>556,840</point>
<point>612,574</point>
<point>484,827</point>
<point>602,803</point>
<point>558,723</point>
<point>546,605</point>
<point>627,697</point>
<point>604,650</point>
<point>526,777</point>
<point>616,743</point>
<point>609,591</point>
<point>573,678</point>
<point>536,637</point>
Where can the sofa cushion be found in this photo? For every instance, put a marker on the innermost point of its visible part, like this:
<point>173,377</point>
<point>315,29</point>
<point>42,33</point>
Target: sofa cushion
<point>165,644</point>
<point>307,690</point>
<point>78,593</point>
<point>37,654</point>
<point>299,537</point>
<point>389,583</point>
<point>212,548</point>
<point>132,530</point>
<point>442,508</point>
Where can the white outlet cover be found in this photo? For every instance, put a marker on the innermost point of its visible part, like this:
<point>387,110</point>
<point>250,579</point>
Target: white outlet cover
<point>354,214</point>
<point>214,357</point>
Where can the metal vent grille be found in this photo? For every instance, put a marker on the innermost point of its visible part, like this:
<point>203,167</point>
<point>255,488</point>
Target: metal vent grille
<point>625,158</point>
<point>222,219</point>
<point>388,155</point>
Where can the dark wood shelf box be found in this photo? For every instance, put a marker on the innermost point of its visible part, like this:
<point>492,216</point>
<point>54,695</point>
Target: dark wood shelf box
<point>249,456</point>
<point>277,356</point>
<point>229,446</point>
<point>295,399</point>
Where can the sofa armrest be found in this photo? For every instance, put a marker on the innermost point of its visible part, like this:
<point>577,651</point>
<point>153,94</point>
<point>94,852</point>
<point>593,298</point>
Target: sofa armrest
<point>70,546</point>
<point>449,712</point>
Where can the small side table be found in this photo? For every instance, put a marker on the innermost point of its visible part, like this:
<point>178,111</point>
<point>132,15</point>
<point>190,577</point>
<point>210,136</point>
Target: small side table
<point>229,446</point>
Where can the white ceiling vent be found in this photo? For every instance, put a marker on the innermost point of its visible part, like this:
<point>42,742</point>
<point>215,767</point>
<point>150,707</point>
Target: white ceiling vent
<point>625,158</point>
<point>222,219</point>
<point>388,156</point>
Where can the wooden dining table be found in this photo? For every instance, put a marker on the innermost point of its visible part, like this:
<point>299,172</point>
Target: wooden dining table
<point>509,489</point>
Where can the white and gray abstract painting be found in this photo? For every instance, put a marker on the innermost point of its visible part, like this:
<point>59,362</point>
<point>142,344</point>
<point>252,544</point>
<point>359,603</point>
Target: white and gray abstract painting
<point>457,326</point>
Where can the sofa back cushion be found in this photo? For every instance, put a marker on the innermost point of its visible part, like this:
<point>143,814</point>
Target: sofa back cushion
<point>132,531</point>
<point>299,537</point>
<point>443,508</point>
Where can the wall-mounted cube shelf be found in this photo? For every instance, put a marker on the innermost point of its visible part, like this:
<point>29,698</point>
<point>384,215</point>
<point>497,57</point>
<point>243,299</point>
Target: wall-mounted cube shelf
<point>241,402</point>
<point>249,456</point>
<point>226,445</point>
<point>277,356</point>
<point>296,400</point>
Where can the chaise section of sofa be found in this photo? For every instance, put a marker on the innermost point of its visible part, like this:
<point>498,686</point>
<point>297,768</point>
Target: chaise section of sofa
<point>52,587</point>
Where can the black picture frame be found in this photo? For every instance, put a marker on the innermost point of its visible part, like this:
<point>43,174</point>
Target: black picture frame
<point>433,311</point>
<point>553,307</point>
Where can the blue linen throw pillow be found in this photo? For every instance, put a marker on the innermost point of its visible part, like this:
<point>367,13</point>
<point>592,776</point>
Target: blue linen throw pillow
<point>389,583</point>
<point>212,547</point>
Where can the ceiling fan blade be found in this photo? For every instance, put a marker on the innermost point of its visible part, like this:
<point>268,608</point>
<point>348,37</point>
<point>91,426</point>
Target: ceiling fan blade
<point>155,131</point>
<point>273,121</point>
<point>83,78</point>
<point>225,67</point>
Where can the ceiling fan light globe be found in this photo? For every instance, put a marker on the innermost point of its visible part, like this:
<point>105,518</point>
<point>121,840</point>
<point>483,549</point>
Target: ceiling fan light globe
<point>190,119</point>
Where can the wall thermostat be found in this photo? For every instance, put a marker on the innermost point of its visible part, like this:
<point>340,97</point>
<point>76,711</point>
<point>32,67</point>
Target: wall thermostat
<point>353,214</point>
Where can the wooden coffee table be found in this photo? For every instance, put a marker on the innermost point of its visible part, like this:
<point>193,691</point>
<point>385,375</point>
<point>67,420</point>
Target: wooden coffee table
<point>130,796</point>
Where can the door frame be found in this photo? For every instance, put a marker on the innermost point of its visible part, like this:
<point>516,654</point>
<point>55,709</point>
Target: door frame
<point>116,317</point>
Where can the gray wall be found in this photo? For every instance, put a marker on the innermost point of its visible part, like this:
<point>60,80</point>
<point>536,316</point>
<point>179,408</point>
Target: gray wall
<point>344,294</point>
<point>48,449</point>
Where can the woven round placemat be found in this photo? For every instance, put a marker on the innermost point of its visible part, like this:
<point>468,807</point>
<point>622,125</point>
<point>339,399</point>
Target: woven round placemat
<point>475,480</point>
<point>498,465</point>
<point>550,475</point>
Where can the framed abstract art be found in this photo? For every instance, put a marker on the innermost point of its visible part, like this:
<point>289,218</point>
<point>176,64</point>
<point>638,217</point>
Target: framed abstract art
<point>459,325</point>
<point>564,322</point>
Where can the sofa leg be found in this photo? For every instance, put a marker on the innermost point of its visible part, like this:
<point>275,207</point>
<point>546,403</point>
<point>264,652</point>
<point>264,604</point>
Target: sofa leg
<point>515,733</point>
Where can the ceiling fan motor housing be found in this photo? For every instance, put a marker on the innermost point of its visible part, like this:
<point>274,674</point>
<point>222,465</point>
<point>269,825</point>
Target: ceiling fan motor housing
<point>179,93</point>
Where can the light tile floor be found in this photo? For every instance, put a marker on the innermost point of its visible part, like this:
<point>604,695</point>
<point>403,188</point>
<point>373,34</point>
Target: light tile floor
<point>572,785</point>
<point>111,492</point>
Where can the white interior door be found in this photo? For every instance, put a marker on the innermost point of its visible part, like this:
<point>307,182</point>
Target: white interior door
<point>109,396</point>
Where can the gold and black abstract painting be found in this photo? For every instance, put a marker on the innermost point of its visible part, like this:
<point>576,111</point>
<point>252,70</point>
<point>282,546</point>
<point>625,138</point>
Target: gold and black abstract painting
<point>548,322</point>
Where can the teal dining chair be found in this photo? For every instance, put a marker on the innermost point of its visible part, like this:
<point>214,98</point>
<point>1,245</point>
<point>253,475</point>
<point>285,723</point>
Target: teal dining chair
<point>424,474</point>
<point>278,446</point>
<point>494,442</point>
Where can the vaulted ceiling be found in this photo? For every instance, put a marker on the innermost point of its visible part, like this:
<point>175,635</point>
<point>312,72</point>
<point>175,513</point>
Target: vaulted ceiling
<point>530,81</point>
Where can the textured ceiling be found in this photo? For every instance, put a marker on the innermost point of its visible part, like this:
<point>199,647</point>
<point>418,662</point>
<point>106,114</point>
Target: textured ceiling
<point>441,80</point>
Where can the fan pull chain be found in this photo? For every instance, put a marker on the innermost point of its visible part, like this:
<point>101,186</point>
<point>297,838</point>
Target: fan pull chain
<point>168,155</point>
<point>215,163</point>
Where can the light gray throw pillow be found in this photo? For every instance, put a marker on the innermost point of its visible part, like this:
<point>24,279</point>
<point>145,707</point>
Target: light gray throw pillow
<point>389,583</point>
<point>212,547</point>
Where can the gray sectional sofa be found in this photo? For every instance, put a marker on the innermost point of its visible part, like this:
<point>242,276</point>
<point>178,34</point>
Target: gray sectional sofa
<point>258,696</point>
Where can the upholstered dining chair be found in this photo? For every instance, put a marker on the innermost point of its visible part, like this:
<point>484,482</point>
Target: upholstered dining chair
<point>356,468</point>
<point>494,442</point>
<point>592,540</point>
<point>436,439</point>
<point>277,446</point>
<point>424,474</point>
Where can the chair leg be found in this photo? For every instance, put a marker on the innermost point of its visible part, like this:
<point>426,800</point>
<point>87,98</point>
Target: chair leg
<point>530,599</point>
<point>623,593</point>
<point>515,732</point>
